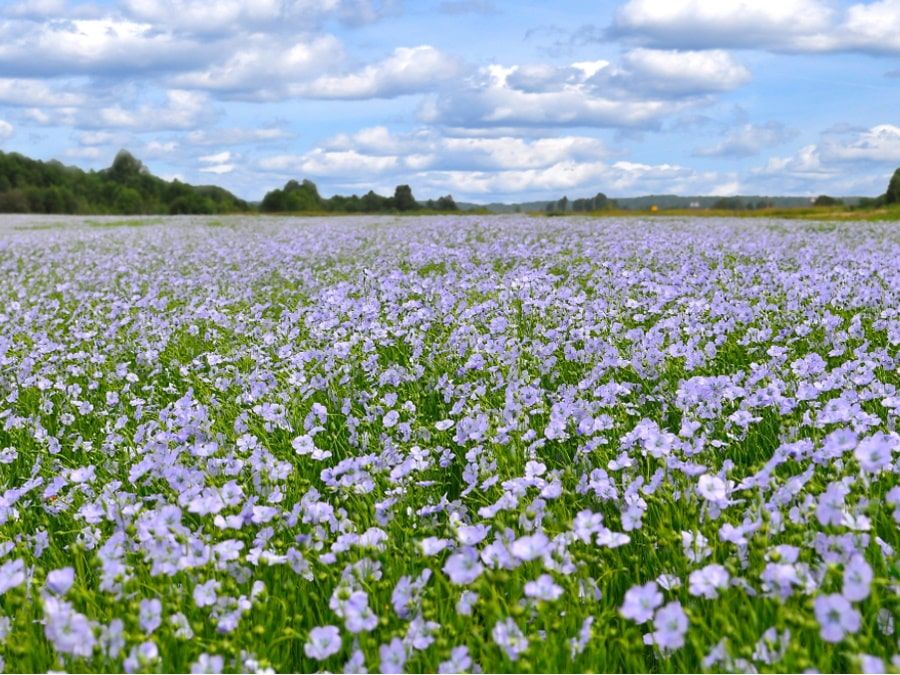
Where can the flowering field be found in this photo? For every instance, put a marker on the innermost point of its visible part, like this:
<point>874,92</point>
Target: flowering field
<point>449,444</point>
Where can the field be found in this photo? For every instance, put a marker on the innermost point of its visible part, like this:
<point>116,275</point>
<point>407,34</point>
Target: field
<point>449,444</point>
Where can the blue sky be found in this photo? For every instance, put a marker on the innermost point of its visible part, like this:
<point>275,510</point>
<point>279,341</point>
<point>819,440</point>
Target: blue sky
<point>484,99</point>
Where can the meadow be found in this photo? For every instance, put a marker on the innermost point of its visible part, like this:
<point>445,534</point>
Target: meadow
<point>449,444</point>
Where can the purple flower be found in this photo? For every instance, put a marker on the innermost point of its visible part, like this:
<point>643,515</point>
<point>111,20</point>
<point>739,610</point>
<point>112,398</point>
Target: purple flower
<point>671,624</point>
<point>857,579</point>
<point>208,664</point>
<point>12,574</point>
<point>510,639</point>
<point>393,656</point>
<point>713,489</point>
<point>323,642</point>
<point>836,617</point>
<point>463,567</point>
<point>205,593</point>
<point>68,631</point>
<point>874,452</point>
<point>390,419</point>
<point>641,602</point>
<point>459,662</point>
<point>61,580</point>
<point>467,600</point>
<point>141,657</point>
<point>708,581</point>
<point>530,547</point>
<point>543,588</point>
<point>150,615</point>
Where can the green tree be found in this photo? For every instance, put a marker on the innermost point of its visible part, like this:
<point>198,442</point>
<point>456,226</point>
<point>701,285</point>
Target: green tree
<point>446,203</point>
<point>825,200</point>
<point>892,196</point>
<point>126,168</point>
<point>403,199</point>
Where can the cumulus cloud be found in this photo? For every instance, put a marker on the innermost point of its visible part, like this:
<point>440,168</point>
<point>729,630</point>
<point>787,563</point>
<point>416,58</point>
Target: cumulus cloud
<point>261,68</point>
<point>33,92</point>
<point>225,16</point>
<point>830,164</point>
<point>181,110</point>
<point>6,130</point>
<point>778,25</point>
<point>427,149</point>
<point>477,167</point>
<point>407,70</point>
<point>645,87</point>
<point>103,46</point>
<point>748,140</point>
<point>673,73</point>
<point>35,9</point>
<point>218,158</point>
<point>156,148</point>
<point>880,143</point>
<point>218,169</point>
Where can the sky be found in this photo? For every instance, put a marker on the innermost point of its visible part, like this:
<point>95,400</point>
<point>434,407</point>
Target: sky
<point>488,100</point>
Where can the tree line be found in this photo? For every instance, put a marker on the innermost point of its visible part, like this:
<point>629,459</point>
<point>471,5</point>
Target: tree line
<point>128,188</point>
<point>297,197</point>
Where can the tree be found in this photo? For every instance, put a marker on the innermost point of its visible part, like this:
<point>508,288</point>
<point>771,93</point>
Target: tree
<point>403,199</point>
<point>126,168</point>
<point>446,203</point>
<point>825,200</point>
<point>892,196</point>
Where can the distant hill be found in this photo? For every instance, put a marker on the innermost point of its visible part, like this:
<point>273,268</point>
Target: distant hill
<point>126,187</point>
<point>662,202</point>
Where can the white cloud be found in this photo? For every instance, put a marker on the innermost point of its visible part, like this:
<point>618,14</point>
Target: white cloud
<point>218,169</point>
<point>880,143</point>
<point>574,179</point>
<point>218,158</point>
<point>181,110</point>
<point>158,148</point>
<point>472,167</point>
<point>220,16</point>
<point>778,25</point>
<point>871,27</point>
<point>676,73</point>
<point>93,47</point>
<point>33,92</point>
<point>425,148</point>
<point>709,23</point>
<point>6,130</point>
<point>841,163</point>
<point>320,162</point>
<point>261,68</point>
<point>748,140</point>
<point>407,70</point>
<point>648,86</point>
<point>37,9</point>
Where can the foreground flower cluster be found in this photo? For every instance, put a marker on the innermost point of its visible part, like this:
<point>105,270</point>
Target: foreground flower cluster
<point>449,445</point>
